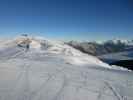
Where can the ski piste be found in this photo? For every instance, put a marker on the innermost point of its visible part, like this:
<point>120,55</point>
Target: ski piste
<point>53,70</point>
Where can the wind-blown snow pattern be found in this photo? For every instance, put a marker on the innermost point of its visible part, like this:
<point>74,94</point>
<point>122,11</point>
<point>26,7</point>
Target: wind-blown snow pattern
<point>51,70</point>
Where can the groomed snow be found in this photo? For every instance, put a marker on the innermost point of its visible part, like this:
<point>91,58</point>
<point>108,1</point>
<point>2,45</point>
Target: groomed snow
<point>52,70</point>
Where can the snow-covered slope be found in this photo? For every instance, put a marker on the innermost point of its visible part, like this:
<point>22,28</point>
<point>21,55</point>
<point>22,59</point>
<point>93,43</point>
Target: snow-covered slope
<point>59,48</point>
<point>51,70</point>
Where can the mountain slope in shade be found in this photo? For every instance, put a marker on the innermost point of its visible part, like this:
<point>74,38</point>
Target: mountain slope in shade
<point>50,70</point>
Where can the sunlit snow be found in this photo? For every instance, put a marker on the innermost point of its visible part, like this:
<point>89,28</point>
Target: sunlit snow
<point>51,70</point>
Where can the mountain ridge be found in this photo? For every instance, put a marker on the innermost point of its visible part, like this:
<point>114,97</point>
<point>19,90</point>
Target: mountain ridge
<point>106,47</point>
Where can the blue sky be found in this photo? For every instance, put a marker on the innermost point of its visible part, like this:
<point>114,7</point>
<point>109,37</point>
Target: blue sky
<point>68,19</point>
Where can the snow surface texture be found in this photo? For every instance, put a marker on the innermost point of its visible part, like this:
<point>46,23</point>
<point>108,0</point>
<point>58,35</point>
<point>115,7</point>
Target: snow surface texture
<point>52,70</point>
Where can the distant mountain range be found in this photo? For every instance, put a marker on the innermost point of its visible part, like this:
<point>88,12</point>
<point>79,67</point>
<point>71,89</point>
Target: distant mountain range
<point>97,49</point>
<point>114,52</point>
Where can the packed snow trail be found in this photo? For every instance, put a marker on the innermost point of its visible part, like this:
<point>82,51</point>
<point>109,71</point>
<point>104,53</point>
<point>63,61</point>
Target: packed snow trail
<point>54,75</point>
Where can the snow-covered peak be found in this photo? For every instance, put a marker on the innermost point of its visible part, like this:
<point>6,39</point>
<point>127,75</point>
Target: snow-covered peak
<point>119,41</point>
<point>57,48</point>
<point>44,44</point>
